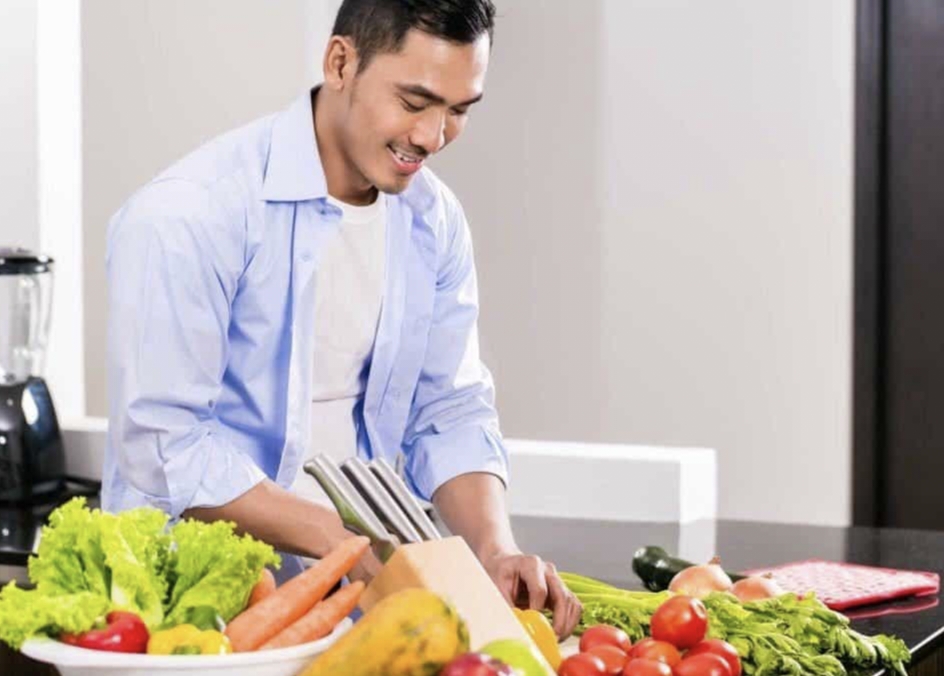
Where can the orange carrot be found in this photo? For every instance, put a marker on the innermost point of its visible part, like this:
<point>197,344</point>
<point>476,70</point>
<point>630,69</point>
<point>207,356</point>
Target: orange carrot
<point>264,587</point>
<point>320,620</point>
<point>256,625</point>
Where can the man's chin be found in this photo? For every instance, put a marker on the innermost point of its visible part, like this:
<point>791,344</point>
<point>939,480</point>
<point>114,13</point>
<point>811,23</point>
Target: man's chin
<point>393,186</point>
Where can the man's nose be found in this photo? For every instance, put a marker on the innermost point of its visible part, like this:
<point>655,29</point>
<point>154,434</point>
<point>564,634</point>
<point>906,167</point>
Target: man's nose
<point>430,131</point>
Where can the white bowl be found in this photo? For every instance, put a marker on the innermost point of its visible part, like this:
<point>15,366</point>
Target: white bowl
<point>72,661</point>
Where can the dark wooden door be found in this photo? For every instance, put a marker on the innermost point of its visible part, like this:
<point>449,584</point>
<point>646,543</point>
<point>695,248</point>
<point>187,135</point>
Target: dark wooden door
<point>899,425</point>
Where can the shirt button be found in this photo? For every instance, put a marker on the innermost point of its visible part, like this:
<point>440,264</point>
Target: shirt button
<point>306,256</point>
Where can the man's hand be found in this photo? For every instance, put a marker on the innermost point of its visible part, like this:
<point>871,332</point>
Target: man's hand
<point>473,506</point>
<point>528,581</point>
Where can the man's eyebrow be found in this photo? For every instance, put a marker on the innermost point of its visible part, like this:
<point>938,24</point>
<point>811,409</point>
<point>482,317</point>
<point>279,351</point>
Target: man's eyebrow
<point>432,97</point>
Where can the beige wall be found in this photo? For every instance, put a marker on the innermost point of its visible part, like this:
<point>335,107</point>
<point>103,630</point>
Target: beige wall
<point>19,202</point>
<point>160,77</point>
<point>661,199</point>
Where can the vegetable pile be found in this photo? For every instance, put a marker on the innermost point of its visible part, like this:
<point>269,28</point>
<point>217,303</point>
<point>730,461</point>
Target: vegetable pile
<point>782,635</point>
<point>91,563</point>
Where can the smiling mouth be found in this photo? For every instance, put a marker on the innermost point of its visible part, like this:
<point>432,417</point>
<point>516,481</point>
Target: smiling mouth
<point>406,158</point>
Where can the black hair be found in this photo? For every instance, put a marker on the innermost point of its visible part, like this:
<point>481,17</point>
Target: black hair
<point>379,26</point>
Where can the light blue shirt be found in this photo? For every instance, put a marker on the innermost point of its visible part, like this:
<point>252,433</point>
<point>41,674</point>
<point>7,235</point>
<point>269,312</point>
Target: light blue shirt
<point>211,282</point>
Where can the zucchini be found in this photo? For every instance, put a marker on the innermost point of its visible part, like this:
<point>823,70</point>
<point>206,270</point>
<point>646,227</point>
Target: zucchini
<point>656,568</point>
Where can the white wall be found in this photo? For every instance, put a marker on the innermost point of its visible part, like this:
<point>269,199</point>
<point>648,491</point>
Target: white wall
<point>161,77</point>
<point>661,198</point>
<point>19,202</point>
<point>660,194</point>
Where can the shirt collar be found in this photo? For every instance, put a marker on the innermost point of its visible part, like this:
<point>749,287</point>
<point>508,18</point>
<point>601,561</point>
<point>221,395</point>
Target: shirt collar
<point>294,172</point>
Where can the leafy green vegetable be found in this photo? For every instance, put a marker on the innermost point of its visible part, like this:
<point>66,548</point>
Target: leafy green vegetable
<point>214,567</point>
<point>787,635</point>
<point>27,613</point>
<point>135,547</point>
<point>90,562</point>
<point>70,557</point>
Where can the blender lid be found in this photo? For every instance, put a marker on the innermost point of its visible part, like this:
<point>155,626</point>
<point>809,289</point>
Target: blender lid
<point>17,261</point>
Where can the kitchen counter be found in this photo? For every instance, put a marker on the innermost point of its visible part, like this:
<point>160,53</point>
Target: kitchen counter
<point>604,550</point>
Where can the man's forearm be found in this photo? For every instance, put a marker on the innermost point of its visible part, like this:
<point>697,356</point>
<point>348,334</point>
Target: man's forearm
<point>284,520</point>
<point>473,506</point>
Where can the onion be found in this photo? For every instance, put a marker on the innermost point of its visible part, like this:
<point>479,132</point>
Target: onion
<point>699,581</point>
<point>756,588</point>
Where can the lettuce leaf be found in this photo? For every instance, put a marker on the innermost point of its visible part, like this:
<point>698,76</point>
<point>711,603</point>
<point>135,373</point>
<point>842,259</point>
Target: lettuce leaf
<point>90,562</point>
<point>211,566</point>
<point>24,614</point>
<point>120,557</point>
<point>135,546</point>
<point>70,558</point>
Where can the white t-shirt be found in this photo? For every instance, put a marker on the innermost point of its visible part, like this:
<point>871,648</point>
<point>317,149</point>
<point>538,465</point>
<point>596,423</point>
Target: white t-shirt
<point>348,297</point>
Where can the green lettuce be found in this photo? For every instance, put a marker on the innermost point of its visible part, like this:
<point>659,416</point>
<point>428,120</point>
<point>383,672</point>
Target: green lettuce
<point>118,556</point>
<point>90,562</point>
<point>136,551</point>
<point>28,613</point>
<point>211,566</point>
<point>70,558</point>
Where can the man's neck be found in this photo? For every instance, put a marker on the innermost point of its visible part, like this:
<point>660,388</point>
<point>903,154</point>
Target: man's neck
<point>343,181</point>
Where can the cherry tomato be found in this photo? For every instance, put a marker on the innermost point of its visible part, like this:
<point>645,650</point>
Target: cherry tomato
<point>720,648</point>
<point>613,658</point>
<point>646,668</point>
<point>660,651</point>
<point>604,634</point>
<point>682,621</point>
<point>582,664</point>
<point>706,664</point>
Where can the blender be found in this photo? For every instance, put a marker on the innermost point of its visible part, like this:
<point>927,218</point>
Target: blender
<point>32,460</point>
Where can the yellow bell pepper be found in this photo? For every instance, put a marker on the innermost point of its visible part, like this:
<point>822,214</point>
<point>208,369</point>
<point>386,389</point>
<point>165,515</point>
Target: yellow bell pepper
<point>186,639</point>
<point>541,632</point>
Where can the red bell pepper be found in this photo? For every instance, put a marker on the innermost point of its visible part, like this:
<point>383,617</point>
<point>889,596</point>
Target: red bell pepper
<point>125,633</point>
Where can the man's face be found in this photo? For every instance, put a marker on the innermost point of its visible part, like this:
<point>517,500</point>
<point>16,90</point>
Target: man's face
<point>406,106</point>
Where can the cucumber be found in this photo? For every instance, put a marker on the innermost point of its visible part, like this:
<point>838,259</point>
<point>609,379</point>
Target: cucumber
<point>656,568</point>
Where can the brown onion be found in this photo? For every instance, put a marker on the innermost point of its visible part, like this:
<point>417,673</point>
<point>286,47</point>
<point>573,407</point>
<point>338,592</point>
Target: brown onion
<point>756,588</point>
<point>699,581</point>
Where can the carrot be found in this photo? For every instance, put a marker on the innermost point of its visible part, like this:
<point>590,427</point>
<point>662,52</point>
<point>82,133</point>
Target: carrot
<point>256,625</point>
<point>264,587</point>
<point>320,620</point>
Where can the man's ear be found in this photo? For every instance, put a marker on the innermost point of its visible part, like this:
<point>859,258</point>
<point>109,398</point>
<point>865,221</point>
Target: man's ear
<point>340,62</point>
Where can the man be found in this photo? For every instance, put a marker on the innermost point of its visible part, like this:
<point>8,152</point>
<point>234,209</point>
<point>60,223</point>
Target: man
<point>305,285</point>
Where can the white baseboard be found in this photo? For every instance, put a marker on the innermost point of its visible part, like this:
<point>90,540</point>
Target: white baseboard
<point>548,478</point>
<point>613,482</point>
<point>84,442</point>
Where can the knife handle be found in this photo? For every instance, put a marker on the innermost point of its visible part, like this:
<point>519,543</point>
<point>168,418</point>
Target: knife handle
<point>354,512</point>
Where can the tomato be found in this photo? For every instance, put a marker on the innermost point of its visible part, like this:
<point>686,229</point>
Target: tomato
<point>646,668</point>
<point>720,648</point>
<point>660,651</point>
<point>706,664</point>
<point>582,664</point>
<point>604,634</point>
<point>613,658</point>
<point>682,621</point>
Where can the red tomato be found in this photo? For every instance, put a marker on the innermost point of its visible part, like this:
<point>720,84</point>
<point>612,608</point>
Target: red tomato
<point>646,668</point>
<point>706,664</point>
<point>613,658</point>
<point>720,648</point>
<point>604,634</point>
<point>660,651</point>
<point>582,664</point>
<point>682,621</point>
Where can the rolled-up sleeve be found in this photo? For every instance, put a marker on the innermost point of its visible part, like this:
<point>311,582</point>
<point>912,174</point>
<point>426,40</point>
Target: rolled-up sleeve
<point>453,427</point>
<point>174,260</point>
